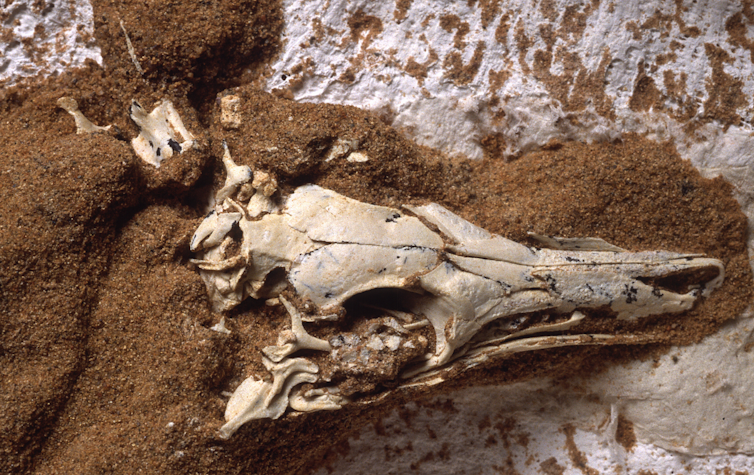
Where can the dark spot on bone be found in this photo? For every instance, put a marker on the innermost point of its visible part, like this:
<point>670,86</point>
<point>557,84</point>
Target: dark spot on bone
<point>174,145</point>
<point>158,152</point>
<point>630,293</point>
<point>151,144</point>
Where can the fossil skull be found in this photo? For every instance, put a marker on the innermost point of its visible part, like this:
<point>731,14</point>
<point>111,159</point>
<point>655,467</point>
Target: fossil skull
<point>473,288</point>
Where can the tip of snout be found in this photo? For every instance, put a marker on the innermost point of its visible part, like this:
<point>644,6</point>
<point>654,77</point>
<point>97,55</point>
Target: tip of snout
<point>698,275</point>
<point>716,282</point>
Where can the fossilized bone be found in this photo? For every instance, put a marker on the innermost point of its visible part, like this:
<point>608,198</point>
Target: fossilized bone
<point>475,289</point>
<point>83,125</point>
<point>161,132</point>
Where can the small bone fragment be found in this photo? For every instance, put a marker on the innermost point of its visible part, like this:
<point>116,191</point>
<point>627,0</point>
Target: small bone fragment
<point>258,399</point>
<point>357,157</point>
<point>342,148</point>
<point>393,342</point>
<point>131,51</point>
<point>220,327</point>
<point>415,325</point>
<point>264,183</point>
<point>385,322</point>
<point>375,343</point>
<point>235,176</point>
<point>295,340</point>
<point>230,118</point>
<point>161,133</point>
<point>319,399</point>
<point>83,125</point>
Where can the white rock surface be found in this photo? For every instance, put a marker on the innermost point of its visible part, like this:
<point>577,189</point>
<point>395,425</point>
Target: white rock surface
<point>619,42</point>
<point>42,38</point>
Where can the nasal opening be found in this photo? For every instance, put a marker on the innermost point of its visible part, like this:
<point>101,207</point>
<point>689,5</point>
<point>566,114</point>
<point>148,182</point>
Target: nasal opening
<point>683,281</point>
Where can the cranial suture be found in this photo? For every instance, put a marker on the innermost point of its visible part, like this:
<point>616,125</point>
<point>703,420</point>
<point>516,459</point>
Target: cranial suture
<point>474,291</point>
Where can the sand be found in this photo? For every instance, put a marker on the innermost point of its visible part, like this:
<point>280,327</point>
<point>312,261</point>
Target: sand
<point>107,362</point>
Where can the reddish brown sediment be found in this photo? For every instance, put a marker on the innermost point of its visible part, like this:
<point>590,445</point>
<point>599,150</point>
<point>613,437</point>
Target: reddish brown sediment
<point>107,361</point>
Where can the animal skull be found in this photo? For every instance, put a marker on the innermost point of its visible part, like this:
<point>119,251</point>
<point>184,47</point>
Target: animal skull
<point>472,287</point>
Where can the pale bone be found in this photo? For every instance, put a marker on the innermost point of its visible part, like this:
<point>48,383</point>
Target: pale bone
<point>83,125</point>
<point>319,399</point>
<point>294,340</point>
<point>161,132</point>
<point>131,51</point>
<point>461,279</point>
<point>230,118</point>
<point>259,399</point>
<point>220,327</point>
<point>235,176</point>
<point>342,148</point>
<point>476,356</point>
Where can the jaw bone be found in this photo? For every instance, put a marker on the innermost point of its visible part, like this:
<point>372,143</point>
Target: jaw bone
<point>459,280</point>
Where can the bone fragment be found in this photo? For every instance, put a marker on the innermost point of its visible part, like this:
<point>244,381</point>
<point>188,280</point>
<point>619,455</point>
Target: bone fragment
<point>213,230</point>
<point>259,399</point>
<point>297,339</point>
<point>220,327</point>
<point>83,125</point>
<point>342,148</point>
<point>235,176</point>
<point>131,51</point>
<point>315,400</point>
<point>161,133</point>
<point>230,118</point>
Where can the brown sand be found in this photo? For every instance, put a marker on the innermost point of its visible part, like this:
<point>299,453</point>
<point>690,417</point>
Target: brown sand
<point>107,364</point>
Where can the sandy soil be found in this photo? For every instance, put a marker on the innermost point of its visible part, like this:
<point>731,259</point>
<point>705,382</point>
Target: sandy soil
<point>106,357</point>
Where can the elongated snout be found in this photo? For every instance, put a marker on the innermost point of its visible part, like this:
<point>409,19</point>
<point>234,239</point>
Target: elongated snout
<point>632,284</point>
